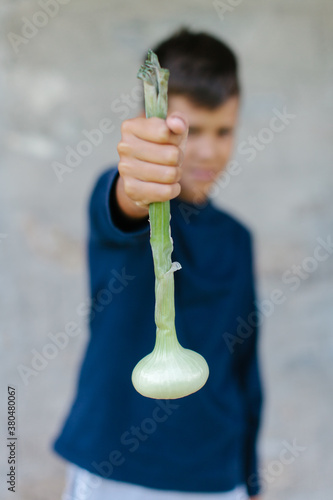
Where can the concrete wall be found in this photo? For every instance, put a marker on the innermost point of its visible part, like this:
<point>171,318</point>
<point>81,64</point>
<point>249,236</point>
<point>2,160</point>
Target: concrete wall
<point>62,78</point>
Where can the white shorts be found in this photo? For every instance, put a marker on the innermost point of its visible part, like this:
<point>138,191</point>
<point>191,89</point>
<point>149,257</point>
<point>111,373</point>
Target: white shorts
<point>82,485</point>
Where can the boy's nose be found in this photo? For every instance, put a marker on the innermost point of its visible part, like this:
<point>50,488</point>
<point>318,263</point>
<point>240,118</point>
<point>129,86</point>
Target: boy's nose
<point>206,149</point>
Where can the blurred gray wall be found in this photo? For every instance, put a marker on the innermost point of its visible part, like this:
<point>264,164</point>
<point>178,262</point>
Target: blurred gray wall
<point>65,76</point>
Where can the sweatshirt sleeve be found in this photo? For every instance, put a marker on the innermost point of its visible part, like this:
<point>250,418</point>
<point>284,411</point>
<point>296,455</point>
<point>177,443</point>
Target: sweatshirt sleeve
<point>103,220</point>
<point>248,368</point>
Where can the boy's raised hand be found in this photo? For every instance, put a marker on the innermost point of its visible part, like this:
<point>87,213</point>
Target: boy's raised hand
<point>151,152</point>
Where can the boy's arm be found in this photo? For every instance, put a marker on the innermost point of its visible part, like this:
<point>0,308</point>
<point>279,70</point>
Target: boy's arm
<point>107,223</point>
<point>124,206</point>
<point>120,208</point>
<point>151,152</point>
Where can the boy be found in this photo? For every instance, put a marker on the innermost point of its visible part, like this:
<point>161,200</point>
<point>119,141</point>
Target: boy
<point>121,444</point>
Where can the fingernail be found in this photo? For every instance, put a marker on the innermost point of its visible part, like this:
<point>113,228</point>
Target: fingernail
<point>178,119</point>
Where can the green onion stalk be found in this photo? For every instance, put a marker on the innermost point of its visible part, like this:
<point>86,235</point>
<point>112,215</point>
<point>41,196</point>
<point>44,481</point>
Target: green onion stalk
<point>169,371</point>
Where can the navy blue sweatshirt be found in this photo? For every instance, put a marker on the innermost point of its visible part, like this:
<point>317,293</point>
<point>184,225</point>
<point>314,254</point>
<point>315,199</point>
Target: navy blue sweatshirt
<point>205,442</point>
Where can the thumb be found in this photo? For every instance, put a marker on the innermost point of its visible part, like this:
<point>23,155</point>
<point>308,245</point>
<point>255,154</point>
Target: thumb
<point>178,123</point>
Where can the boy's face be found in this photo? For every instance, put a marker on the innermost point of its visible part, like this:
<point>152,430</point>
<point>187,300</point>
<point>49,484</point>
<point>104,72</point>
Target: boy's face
<point>209,144</point>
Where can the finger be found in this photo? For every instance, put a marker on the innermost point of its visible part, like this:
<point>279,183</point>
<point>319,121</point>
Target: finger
<point>177,123</point>
<point>150,172</point>
<point>163,154</point>
<point>150,129</point>
<point>149,192</point>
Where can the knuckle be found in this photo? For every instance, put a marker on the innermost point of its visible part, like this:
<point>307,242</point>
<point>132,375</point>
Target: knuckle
<point>178,174</point>
<point>174,155</point>
<point>176,190</point>
<point>162,131</point>
<point>129,187</point>
<point>167,192</point>
<point>122,168</point>
<point>122,148</point>
<point>171,175</point>
<point>125,127</point>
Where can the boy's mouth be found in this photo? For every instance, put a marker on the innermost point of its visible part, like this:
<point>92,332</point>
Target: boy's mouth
<point>203,174</point>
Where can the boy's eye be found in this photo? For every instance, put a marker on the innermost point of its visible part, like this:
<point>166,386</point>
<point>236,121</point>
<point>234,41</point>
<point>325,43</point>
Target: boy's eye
<point>193,131</point>
<point>222,132</point>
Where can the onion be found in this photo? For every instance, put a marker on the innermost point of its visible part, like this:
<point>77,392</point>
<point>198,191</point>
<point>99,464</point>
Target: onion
<point>169,371</point>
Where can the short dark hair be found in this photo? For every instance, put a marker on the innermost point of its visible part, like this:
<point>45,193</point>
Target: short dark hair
<point>202,68</point>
